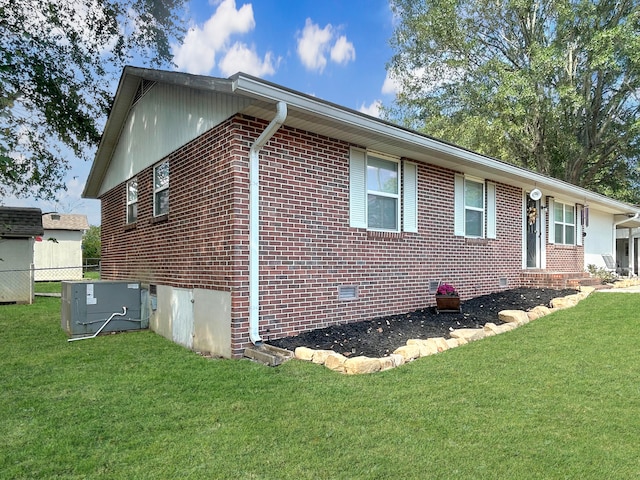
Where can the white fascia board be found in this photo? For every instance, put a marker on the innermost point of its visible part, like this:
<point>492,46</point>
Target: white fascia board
<point>115,122</point>
<point>123,99</point>
<point>509,173</point>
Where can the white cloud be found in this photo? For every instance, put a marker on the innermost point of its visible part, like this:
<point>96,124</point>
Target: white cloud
<point>373,109</point>
<point>343,51</point>
<point>197,54</point>
<point>314,44</point>
<point>390,85</point>
<point>241,58</point>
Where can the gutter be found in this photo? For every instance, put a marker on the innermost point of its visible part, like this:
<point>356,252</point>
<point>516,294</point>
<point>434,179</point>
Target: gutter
<point>635,216</point>
<point>254,221</point>
<point>415,145</point>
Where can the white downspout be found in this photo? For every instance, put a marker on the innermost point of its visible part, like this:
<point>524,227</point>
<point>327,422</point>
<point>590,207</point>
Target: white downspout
<point>254,221</point>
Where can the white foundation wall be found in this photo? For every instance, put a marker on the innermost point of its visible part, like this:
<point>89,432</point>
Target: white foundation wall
<point>198,319</point>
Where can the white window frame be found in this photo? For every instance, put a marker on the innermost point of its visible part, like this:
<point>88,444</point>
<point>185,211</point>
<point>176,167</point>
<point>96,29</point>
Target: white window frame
<point>407,195</point>
<point>489,207</point>
<point>132,204</point>
<point>468,208</point>
<point>561,223</point>
<point>396,196</point>
<point>157,190</point>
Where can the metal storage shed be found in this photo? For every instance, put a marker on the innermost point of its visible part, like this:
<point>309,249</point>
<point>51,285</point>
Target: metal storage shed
<point>18,229</point>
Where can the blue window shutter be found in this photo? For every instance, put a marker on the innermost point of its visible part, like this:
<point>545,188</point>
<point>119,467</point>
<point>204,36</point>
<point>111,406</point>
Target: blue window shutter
<point>459,205</point>
<point>357,189</point>
<point>491,210</point>
<point>410,198</point>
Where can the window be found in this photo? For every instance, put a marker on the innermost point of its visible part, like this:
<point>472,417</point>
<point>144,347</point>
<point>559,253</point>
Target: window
<point>383,193</point>
<point>564,223</point>
<point>161,189</point>
<point>475,207</point>
<point>383,198</point>
<point>132,200</point>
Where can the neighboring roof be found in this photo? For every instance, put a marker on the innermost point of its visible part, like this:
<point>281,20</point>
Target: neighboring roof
<point>64,221</point>
<point>16,222</point>
<point>309,113</point>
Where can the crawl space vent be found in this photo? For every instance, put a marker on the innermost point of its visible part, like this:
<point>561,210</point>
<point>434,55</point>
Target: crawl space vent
<point>347,292</point>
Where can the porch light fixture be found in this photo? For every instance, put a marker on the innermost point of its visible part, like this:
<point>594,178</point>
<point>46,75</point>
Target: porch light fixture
<point>535,194</point>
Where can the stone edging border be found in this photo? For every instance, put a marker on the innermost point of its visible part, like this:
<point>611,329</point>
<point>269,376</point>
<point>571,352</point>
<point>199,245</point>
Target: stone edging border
<point>416,348</point>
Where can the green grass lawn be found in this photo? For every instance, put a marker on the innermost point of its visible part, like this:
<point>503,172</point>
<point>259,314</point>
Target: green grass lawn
<point>56,287</point>
<point>557,398</point>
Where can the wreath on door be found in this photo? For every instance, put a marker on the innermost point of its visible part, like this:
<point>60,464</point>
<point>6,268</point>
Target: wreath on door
<point>532,215</point>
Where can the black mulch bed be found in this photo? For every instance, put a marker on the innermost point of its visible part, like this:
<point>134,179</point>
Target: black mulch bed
<point>381,336</point>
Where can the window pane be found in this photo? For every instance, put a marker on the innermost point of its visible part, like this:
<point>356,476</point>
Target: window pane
<point>382,175</point>
<point>473,194</point>
<point>568,214</point>
<point>382,212</point>
<point>559,230</point>
<point>162,202</point>
<point>161,176</point>
<point>132,213</point>
<point>132,191</point>
<point>570,235</point>
<point>558,212</point>
<point>473,223</point>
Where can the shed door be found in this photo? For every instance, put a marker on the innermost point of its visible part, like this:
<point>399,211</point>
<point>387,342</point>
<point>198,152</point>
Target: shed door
<point>533,234</point>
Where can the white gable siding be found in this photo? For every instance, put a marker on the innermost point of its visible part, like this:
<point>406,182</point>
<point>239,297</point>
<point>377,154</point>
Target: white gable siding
<point>599,239</point>
<point>163,120</point>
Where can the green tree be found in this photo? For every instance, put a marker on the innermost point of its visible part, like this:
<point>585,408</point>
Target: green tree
<point>548,85</point>
<point>91,243</point>
<point>58,63</point>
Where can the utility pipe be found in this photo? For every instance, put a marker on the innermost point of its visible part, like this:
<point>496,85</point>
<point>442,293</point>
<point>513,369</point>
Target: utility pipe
<point>254,221</point>
<point>114,314</point>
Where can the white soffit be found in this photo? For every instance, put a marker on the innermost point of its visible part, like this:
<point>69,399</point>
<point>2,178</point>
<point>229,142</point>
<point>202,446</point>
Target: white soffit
<point>334,121</point>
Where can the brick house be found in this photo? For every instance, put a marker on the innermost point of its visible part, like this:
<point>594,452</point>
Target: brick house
<point>250,212</point>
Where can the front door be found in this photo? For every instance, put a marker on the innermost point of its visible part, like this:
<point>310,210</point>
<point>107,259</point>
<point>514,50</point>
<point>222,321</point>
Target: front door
<point>532,227</point>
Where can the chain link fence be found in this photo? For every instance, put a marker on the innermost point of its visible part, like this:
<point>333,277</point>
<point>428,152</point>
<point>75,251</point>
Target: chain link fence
<point>90,268</point>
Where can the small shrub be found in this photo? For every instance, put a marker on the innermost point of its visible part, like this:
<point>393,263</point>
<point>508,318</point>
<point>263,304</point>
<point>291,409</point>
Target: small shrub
<point>606,276</point>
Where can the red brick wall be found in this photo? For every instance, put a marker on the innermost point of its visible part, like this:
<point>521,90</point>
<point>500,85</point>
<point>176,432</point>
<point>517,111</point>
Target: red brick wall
<point>565,258</point>
<point>203,242</point>
<point>307,247</point>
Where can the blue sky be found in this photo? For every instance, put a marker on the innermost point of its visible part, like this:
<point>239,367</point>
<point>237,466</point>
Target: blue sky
<point>335,50</point>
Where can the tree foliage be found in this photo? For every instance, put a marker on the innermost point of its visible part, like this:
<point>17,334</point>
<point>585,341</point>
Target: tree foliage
<point>550,85</point>
<point>91,243</point>
<point>58,63</point>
